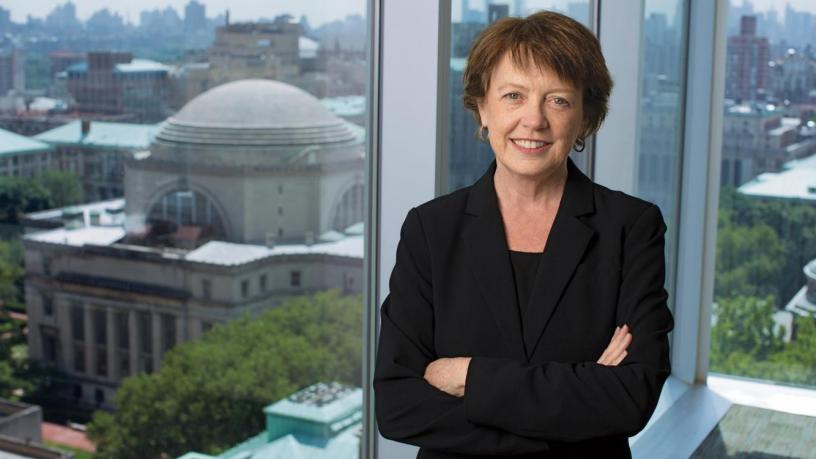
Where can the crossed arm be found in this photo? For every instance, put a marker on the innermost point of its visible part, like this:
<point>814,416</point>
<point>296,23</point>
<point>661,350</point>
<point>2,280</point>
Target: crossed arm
<point>449,374</point>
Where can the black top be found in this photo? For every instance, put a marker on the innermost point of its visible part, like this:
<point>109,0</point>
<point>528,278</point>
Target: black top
<point>525,266</point>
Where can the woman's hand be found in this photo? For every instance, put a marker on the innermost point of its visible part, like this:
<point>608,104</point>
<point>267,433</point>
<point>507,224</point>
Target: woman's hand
<point>616,350</point>
<point>448,374</point>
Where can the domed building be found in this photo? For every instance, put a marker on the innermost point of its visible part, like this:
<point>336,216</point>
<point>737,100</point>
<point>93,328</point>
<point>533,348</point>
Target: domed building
<point>252,193</point>
<point>250,162</point>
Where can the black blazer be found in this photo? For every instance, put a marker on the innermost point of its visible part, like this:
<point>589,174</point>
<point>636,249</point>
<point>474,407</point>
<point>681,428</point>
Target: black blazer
<point>531,391</point>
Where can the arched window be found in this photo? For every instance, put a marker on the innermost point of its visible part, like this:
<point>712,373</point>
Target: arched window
<point>188,208</point>
<point>350,208</point>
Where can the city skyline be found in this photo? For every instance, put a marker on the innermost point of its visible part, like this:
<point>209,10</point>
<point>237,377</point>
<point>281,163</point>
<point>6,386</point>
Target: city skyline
<point>317,12</point>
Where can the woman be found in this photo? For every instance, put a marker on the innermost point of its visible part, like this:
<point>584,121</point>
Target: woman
<point>527,315</point>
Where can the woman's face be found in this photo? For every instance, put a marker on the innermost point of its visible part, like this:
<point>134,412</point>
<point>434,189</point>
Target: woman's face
<point>532,117</point>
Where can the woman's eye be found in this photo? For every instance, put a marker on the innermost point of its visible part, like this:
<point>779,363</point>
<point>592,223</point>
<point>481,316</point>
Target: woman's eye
<point>561,101</point>
<point>513,96</point>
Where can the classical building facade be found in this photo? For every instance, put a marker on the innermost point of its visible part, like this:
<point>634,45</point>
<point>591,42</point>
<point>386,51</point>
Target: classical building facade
<point>250,194</point>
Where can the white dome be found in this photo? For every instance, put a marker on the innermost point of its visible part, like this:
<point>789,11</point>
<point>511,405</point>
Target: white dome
<point>257,113</point>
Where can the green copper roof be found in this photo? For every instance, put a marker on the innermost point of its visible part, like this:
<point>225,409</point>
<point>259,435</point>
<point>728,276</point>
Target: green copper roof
<point>102,134</point>
<point>15,144</point>
<point>320,421</point>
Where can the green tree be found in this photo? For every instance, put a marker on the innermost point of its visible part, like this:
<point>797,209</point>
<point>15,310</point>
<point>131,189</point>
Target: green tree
<point>743,333</point>
<point>796,363</point>
<point>749,260</point>
<point>11,273</point>
<point>794,223</point>
<point>209,394</point>
<point>19,195</point>
<point>63,187</point>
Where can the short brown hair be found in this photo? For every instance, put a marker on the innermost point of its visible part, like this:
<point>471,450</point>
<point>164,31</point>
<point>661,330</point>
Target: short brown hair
<point>553,41</point>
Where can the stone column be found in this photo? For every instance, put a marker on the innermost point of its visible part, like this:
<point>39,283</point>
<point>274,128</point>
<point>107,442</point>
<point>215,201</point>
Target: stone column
<point>113,354</point>
<point>155,319</point>
<point>88,340</point>
<point>133,342</point>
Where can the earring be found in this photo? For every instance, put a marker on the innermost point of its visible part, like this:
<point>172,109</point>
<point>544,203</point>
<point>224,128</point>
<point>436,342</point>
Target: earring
<point>482,133</point>
<point>580,144</point>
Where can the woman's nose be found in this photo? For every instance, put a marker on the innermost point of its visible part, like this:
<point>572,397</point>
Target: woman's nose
<point>534,118</point>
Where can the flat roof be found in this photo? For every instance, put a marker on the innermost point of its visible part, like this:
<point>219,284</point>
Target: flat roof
<point>796,183</point>
<point>345,105</point>
<point>90,235</point>
<point>16,144</point>
<point>232,254</point>
<point>134,66</point>
<point>102,134</point>
<point>219,253</point>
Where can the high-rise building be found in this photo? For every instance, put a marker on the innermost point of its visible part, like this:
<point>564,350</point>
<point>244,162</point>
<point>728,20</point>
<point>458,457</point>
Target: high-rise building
<point>5,19</point>
<point>195,16</point>
<point>12,70</point>
<point>496,11</point>
<point>793,76</point>
<point>747,58</point>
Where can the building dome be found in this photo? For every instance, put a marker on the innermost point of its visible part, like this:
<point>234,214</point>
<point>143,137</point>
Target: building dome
<point>255,113</point>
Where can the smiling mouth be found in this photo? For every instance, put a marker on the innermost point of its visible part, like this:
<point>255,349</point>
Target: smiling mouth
<point>530,144</point>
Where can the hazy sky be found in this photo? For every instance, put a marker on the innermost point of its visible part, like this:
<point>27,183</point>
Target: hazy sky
<point>318,11</point>
<point>667,7</point>
<point>779,5</point>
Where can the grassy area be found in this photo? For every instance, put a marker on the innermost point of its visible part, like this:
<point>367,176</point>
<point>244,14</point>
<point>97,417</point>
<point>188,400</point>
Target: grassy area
<point>78,453</point>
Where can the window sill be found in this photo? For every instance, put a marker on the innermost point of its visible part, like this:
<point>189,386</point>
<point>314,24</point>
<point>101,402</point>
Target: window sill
<point>683,418</point>
<point>762,394</point>
<point>686,414</point>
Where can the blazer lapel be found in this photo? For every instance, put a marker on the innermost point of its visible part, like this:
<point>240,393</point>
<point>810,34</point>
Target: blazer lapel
<point>566,244</point>
<point>489,259</point>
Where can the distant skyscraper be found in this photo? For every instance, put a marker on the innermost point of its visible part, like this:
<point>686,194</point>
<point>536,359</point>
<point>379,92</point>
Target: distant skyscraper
<point>747,63</point>
<point>496,11</point>
<point>12,74</point>
<point>195,16</point>
<point>5,19</point>
<point>520,8</point>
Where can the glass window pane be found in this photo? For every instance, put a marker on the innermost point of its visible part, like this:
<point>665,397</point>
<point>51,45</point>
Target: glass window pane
<point>763,322</point>
<point>192,191</point>
<point>660,116</point>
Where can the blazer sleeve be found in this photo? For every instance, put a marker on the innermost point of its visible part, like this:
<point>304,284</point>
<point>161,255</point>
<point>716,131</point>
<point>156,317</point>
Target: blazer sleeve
<point>408,408</point>
<point>577,401</point>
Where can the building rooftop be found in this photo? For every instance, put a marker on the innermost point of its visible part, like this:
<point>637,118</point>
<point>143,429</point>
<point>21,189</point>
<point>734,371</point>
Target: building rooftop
<point>345,105</point>
<point>307,47</point>
<point>91,235</point>
<point>134,66</point>
<point>255,113</point>
<point>795,183</point>
<point>319,421</point>
<point>102,134</point>
<point>753,110</point>
<point>15,144</point>
<point>320,402</point>
<point>231,254</point>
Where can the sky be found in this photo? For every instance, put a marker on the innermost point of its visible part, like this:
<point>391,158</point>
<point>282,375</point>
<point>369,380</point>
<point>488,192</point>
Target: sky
<point>779,5</point>
<point>667,7</point>
<point>317,11</point>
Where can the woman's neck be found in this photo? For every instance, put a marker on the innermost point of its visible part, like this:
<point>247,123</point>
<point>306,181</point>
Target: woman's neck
<point>520,192</point>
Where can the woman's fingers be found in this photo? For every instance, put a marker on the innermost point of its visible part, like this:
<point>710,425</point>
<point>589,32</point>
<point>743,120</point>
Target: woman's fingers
<point>615,352</point>
<point>619,359</point>
<point>605,355</point>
